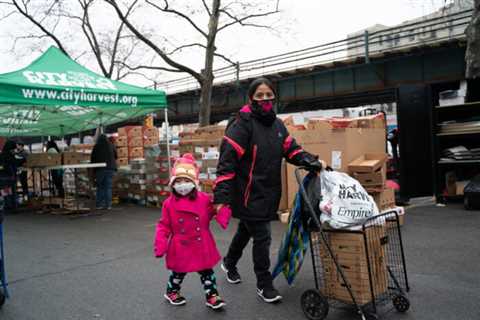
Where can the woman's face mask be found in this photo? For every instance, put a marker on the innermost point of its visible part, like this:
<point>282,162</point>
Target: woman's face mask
<point>183,188</point>
<point>266,105</point>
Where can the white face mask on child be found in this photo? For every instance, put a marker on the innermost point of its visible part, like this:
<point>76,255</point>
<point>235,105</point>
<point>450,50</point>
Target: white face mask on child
<point>184,188</point>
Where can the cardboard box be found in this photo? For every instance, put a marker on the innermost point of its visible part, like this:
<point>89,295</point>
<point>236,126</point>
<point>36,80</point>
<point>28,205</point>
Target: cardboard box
<point>460,186</point>
<point>122,162</point>
<point>122,152</point>
<point>350,251</point>
<point>44,160</point>
<point>135,153</point>
<point>337,146</point>
<point>75,158</point>
<point>131,131</point>
<point>151,132</point>
<point>135,142</point>
<point>451,183</point>
<point>375,179</point>
<point>121,141</point>
<point>368,163</point>
<point>385,199</point>
<point>150,141</point>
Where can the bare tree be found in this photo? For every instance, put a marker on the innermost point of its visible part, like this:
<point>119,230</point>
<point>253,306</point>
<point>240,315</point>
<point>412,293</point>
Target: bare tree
<point>54,20</point>
<point>220,16</point>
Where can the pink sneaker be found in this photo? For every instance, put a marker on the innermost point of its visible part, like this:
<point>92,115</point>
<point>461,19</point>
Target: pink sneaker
<point>215,302</point>
<point>175,298</point>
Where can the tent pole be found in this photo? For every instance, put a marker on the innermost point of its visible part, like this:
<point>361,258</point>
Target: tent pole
<point>167,134</point>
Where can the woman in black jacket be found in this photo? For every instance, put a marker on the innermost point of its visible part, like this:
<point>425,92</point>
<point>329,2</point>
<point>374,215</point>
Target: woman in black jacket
<point>104,152</point>
<point>249,180</point>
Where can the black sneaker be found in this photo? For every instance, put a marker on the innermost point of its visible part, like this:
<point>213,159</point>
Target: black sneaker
<point>175,298</point>
<point>215,302</point>
<point>269,295</point>
<point>232,274</point>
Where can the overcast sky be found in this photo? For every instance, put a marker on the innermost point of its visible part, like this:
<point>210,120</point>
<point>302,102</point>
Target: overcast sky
<point>308,23</point>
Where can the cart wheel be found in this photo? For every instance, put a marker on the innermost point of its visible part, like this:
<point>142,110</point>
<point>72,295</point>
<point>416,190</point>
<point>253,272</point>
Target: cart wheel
<point>2,299</point>
<point>314,305</point>
<point>401,303</point>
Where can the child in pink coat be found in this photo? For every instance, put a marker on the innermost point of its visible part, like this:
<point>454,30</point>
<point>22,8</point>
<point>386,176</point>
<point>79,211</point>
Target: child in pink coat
<point>183,233</point>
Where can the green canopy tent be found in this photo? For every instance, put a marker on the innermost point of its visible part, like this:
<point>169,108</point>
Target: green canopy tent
<point>55,96</point>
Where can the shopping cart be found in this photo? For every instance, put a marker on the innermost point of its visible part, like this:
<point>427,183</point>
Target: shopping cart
<point>363,269</point>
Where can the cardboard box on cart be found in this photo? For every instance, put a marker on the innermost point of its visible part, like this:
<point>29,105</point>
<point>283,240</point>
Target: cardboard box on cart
<point>338,142</point>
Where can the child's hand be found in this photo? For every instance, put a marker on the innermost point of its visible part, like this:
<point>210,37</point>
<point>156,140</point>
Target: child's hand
<point>223,216</point>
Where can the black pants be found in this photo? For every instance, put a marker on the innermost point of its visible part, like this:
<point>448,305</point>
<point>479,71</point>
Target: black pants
<point>262,237</point>
<point>207,277</point>
<point>57,177</point>
<point>23,177</point>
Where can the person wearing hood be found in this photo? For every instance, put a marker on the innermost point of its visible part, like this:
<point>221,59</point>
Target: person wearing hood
<point>249,180</point>
<point>104,152</point>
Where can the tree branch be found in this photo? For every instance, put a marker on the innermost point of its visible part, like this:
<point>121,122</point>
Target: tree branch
<point>121,63</point>
<point>207,8</point>
<point>117,41</point>
<point>39,25</point>
<point>149,43</point>
<point>186,46</point>
<point>243,21</point>
<point>178,13</point>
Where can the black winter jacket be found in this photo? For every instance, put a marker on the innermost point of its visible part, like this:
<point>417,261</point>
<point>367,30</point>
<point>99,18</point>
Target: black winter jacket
<point>249,169</point>
<point>104,152</point>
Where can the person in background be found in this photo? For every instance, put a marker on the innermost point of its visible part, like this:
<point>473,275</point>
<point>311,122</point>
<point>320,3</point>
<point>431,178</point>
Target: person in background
<point>57,174</point>
<point>104,152</point>
<point>249,180</point>
<point>21,155</point>
<point>8,174</point>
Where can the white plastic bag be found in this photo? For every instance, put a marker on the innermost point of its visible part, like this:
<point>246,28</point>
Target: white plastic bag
<point>345,202</point>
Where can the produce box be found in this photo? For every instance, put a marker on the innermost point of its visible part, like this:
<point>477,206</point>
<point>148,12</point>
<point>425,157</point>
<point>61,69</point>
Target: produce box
<point>44,160</point>
<point>368,163</point>
<point>121,141</point>
<point>134,142</point>
<point>135,153</point>
<point>131,131</point>
<point>75,158</point>
<point>372,179</point>
<point>122,162</point>
<point>385,199</point>
<point>350,251</point>
<point>122,152</point>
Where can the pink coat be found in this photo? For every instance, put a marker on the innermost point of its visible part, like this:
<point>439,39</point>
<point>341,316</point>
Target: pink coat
<point>183,233</point>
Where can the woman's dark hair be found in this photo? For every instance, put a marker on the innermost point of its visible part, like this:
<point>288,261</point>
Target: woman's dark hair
<point>256,83</point>
<point>102,141</point>
<point>9,146</point>
<point>52,144</point>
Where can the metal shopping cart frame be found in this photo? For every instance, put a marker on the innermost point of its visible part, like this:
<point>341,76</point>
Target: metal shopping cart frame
<point>386,235</point>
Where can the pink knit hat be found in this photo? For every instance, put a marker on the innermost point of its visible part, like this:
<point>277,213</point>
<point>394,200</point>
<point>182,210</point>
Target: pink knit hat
<point>185,167</point>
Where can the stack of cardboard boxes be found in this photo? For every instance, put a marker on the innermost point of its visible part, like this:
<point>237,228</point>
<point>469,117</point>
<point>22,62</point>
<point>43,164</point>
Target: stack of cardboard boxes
<point>370,170</point>
<point>131,141</point>
<point>204,144</point>
<point>338,141</point>
<point>157,174</point>
<point>138,181</point>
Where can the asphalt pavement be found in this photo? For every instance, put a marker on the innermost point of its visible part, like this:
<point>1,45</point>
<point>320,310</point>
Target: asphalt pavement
<point>102,267</point>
